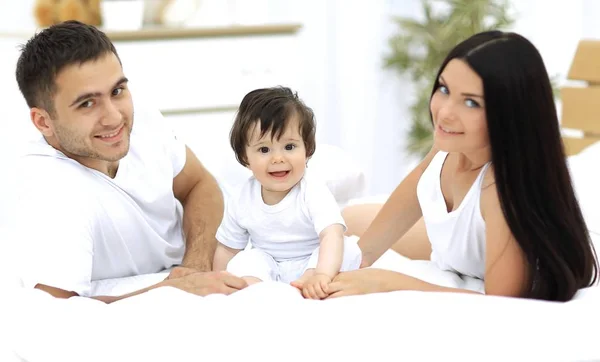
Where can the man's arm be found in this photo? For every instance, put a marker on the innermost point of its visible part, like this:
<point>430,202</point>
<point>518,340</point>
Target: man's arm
<point>202,201</point>
<point>200,283</point>
<point>60,293</point>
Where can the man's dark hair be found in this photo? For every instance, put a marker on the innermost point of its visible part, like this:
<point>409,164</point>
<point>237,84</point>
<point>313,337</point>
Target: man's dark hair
<point>50,51</point>
<point>273,109</point>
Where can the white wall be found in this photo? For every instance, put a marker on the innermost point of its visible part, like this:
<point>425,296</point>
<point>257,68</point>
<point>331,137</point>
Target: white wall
<point>371,104</point>
<point>359,105</point>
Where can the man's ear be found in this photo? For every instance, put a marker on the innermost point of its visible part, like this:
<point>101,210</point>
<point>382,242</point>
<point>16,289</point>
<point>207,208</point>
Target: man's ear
<point>41,120</point>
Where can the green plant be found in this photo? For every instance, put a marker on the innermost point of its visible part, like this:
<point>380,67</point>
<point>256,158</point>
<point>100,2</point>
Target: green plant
<point>421,45</point>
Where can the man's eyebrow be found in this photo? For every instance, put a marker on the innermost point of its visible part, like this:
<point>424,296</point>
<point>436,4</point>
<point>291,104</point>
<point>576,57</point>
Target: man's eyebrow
<point>84,96</point>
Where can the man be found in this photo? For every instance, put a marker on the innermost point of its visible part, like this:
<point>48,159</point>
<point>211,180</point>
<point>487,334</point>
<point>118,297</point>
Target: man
<point>101,195</point>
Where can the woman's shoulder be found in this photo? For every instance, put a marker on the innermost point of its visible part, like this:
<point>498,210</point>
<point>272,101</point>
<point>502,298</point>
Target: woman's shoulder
<point>429,157</point>
<point>489,194</point>
<point>489,179</point>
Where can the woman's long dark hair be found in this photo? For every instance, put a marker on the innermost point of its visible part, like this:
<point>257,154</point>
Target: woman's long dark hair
<point>530,168</point>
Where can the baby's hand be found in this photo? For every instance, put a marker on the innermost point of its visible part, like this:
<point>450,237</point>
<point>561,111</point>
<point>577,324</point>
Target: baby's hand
<point>313,285</point>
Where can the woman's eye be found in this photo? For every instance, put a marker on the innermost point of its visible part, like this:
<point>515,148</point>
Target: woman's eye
<point>444,89</point>
<point>471,103</point>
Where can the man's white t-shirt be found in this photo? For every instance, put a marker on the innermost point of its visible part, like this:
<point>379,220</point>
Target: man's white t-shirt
<point>75,225</point>
<point>287,230</point>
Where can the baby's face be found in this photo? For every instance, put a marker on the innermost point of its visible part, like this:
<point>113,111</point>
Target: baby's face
<point>278,164</point>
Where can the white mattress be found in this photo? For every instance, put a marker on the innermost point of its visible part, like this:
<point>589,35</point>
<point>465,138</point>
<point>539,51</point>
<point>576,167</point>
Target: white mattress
<point>271,322</point>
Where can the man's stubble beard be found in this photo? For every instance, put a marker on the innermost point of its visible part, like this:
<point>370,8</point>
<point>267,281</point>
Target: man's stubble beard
<point>72,144</point>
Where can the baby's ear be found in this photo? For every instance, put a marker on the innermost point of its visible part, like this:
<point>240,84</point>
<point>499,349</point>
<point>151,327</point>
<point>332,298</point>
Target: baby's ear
<point>307,160</point>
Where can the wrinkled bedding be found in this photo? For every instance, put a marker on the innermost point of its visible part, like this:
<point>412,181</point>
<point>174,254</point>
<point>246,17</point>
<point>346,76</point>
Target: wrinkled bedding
<point>271,322</point>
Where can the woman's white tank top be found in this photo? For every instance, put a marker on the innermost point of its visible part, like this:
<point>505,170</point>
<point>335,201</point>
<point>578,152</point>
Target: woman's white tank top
<point>457,237</point>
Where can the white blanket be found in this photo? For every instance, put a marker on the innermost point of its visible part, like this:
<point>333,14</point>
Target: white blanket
<point>271,322</point>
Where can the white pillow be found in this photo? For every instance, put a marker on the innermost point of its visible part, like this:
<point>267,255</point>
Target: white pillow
<point>344,177</point>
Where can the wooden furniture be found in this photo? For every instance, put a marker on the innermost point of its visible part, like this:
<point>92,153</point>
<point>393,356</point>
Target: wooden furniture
<point>198,71</point>
<point>581,105</point>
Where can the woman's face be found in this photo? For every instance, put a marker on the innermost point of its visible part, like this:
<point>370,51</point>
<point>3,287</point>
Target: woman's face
<point>458,110</point>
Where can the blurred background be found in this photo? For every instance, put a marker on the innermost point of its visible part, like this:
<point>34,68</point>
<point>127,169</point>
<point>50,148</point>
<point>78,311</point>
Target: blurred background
<point>364,66</point>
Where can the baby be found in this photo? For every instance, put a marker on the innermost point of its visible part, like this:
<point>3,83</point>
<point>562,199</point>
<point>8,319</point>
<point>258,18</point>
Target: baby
<point>292,220</point>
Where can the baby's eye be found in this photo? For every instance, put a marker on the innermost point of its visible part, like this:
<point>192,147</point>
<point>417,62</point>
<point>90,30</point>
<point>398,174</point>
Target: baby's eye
<point>263,150</point>
<point>290,147</point>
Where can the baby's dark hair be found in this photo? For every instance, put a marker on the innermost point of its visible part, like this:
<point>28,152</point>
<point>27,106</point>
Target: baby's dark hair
<point>272,108</point>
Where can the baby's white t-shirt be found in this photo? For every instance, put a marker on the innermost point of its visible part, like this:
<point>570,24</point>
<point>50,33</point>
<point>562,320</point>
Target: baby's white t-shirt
<point>74,225</point>
<point>287,230</point>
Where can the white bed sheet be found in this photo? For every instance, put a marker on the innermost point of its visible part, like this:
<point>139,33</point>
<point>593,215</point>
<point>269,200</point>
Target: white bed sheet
<point>271,322</point>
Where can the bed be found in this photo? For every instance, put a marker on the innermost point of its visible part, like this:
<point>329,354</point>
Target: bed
<point>271,322</point>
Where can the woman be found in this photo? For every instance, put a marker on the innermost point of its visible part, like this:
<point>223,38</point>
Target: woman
<point>493,198</point>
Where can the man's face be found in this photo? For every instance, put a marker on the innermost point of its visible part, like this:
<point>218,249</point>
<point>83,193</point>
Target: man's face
<point>93,114</point>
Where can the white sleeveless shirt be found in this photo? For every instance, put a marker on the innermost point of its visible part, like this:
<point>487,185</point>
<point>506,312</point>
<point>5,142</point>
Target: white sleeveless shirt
<point>457,237</point>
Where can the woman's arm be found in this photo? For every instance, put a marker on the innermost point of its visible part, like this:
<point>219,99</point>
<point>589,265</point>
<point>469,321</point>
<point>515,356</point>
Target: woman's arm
<point>505,266</point>
<point>367,281</point>
<point>397,216</point>
<point>414,244</point>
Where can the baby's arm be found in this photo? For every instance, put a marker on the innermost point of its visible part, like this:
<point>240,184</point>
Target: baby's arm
<point>313,284</point>
<point>327,219</point>
<point>231,236</point>
<point>331,250</point>
<point>323,210</point>
<point>223,255</point>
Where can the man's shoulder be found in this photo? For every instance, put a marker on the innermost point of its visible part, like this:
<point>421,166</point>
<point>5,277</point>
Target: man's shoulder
<point>49,169</point>
<point>46,179</point>
<point>149,122</point>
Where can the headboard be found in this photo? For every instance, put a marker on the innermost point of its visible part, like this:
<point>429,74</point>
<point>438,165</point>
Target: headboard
<point>580,118</point>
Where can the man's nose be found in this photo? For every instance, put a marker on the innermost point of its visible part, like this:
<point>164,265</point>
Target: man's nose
<point>112,115</point>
